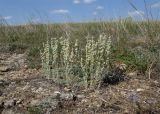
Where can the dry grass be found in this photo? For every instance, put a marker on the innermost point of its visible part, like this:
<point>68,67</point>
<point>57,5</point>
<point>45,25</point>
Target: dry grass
<point>127,36</point>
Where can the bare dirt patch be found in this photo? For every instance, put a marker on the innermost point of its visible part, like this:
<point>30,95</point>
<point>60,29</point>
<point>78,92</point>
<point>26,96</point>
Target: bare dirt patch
<point>24,90</point>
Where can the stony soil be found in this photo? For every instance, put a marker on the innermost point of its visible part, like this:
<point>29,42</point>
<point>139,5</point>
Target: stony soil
<point>27,91</point>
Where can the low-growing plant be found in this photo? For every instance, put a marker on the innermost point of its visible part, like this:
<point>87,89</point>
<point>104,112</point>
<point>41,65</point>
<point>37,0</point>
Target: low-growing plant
<point>63,60</point>
<point>34,110</point>
<point>33,58</point>
<point>138,58</point>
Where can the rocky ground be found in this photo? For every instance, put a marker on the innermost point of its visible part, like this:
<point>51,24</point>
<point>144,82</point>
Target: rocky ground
<point>27,91</point>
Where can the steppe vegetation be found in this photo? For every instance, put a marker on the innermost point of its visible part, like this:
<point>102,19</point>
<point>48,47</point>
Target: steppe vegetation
<point>134,43</point>
<point>78,56</point>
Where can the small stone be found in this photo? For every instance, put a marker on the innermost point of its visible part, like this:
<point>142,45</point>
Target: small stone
<point>80,96</point>
<point>156,82</point>
<point>67,89</point>
<point>26,87</point>
<point>57,94</point>
<point>84,101</point>
<point>35,102</point>
<point>1,73</point>
<point>13,83</point>
<point>140,90</point>
<point>40,89</point>
<point>10,103</point>
<point>6,111</point>
<point>1,99</point>
<point>3,83</point>
<point>20,105</point>
<point>25,66</point>
<point>126,111</point>
<point>67,96</point>
<point>123,93</point>
<point>1,93</point>
<point>49,111</point>
<point>19,101</point>
<point>132,74</point>
<point>4,69</point>
<point>151,101</point>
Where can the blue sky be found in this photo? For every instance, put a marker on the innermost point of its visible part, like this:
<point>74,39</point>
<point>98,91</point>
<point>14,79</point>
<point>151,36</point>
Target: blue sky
<point>20,11</point>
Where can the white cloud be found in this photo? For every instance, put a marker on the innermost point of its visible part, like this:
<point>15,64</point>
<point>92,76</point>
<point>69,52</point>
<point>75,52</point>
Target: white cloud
<point>99,8</point>
<point>155,5</point>
<point>60,11</point>
<point>136,13</point>
<point>37,20</point>
<point>95,13</point>
<point>83,1</point>
<point>88,1</point>
<point>6,17</point>
<point>76,1</point>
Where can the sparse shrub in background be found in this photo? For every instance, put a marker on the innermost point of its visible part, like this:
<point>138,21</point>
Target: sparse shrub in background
<point>33,58</point>
<point>142,59</point>
<point>65,62</point>
<point>136,45</point>
<point>137,58</point>
<point>34,51</point>
<point>18,48</point>
<point>34,110</point>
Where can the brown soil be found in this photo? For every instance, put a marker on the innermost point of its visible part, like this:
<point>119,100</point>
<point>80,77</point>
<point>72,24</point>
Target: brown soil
<point>135,95</point>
